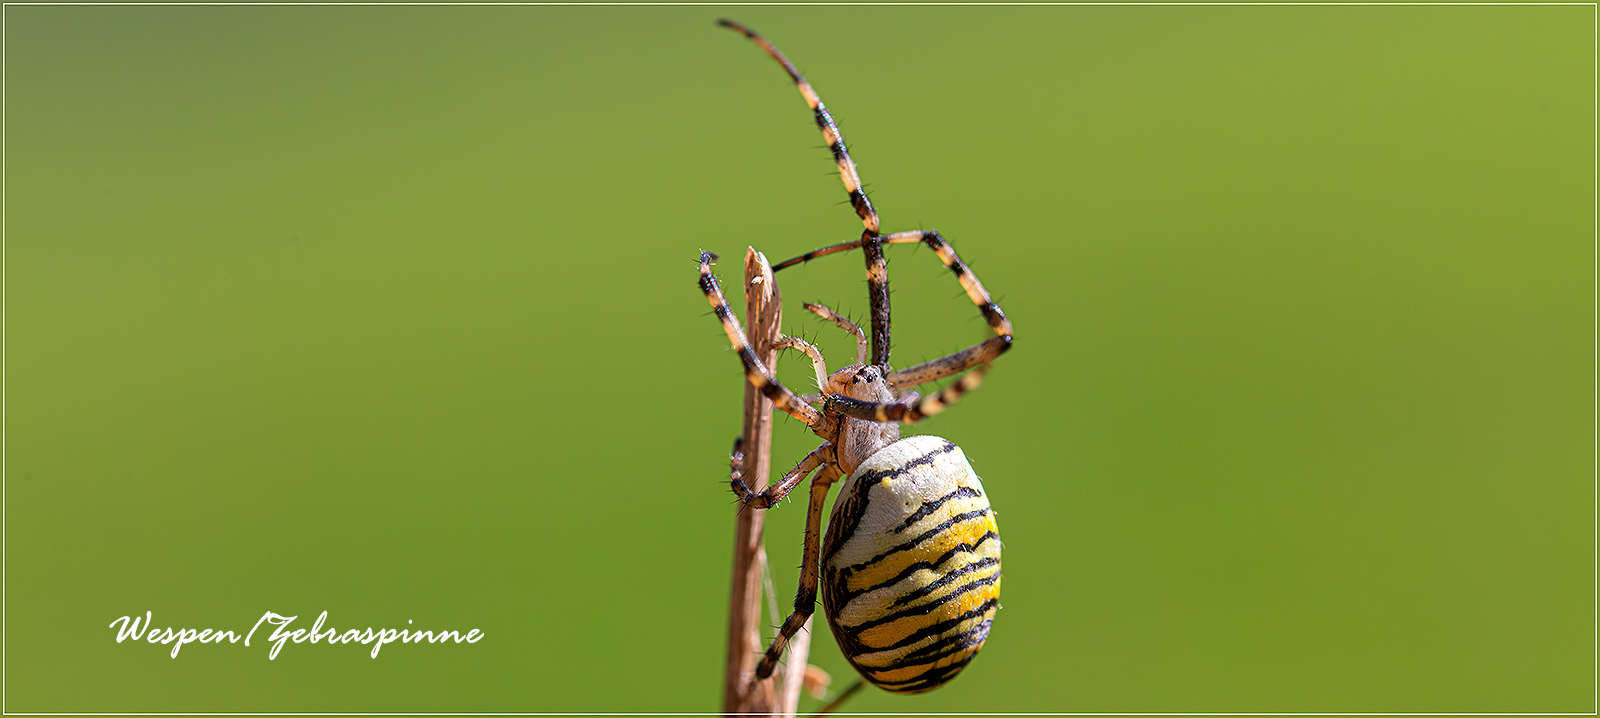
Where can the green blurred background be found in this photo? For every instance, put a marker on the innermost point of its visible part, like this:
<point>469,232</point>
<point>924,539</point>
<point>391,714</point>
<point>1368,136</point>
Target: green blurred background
<point>391,312</point>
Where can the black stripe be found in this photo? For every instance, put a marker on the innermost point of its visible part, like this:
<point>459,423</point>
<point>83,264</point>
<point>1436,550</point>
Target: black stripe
<point>876,477</point>
<point>920,565</point>
<point>956,643</point>
<point>839,153</point>
<point>847,515</point>
<point>971,640</point>
<point>929,507</point>
<point>951,576</point>
<point>723,312</point>
<point>858,199</point>
<point>992,313</point>
<point>748,356</point>
<point>950,644</point>
<point>924,609</point>
<point>847,512</point>
<point>957,267</point>
<point>824,120</point>
<point>942,627</point>
<point>953,520</point>
<point>930,679</point>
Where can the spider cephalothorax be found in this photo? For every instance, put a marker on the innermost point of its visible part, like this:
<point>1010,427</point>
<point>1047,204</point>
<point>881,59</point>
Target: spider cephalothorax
<point>910,566</point>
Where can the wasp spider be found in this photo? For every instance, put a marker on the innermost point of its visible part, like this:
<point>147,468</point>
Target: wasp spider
<point>910,565</point>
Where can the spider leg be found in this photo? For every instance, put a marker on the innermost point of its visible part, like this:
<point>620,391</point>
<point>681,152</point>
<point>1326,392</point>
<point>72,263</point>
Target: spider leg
<point>817,364</point>
<point>830,131</point>
<point>845,324</point>
<point>770,496</point>
<point>897,238</point>
<point>956,363</point>
<point>962,360</point>
<point>871,243</point>
<point>981,353</point>
<point>969,281</point>
<point>877,297</point>
<point>805,599</point>
<point>911,409</point>
<point>758,375</point>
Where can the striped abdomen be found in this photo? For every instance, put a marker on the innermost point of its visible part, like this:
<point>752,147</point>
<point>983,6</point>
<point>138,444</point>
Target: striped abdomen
<point>911,565</point>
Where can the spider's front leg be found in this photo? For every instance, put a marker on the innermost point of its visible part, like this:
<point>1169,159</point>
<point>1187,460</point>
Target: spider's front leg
<point>910,409</point>
<point>805,599</point>
<point>754,370</point>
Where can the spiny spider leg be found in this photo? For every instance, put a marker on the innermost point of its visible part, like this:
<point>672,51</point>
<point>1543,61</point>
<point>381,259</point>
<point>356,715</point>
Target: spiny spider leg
<point>817,364</point>
<point>956,363</point>
<point>981,353</point>
<point>871,243</point>
<point>805,600</point>
<point>843,323</point>
<point>758,375</point>
<point>942,367</point>
<point>897,238</point>
<point>830,131</point>
<point>770,496</point>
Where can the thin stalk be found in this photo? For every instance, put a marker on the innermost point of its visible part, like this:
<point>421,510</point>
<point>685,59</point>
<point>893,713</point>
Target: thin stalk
<point>793,672</point>
<point>834,704</point>
<point>741,693</point>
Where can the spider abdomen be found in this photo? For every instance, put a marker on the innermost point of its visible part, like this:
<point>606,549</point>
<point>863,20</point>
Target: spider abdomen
<point>911,565</point>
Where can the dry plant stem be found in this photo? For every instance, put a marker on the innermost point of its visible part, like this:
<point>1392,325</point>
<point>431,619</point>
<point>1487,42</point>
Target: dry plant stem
<point>741,693</point>
<point>794,672</point>
<point>791,674</point>
<point>834,704</point>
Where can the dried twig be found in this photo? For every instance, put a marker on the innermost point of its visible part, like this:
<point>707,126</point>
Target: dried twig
<point>794,672</point>
<point>741,692</point>
<point>834,704</point>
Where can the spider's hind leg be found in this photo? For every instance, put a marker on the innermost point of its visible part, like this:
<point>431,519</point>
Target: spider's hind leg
<point>805,599</point>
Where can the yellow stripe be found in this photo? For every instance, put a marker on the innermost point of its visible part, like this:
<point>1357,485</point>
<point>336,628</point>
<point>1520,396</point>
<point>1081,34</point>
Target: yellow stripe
<point>889,633</point>
<point>966,532</point>
<point>911,673</point>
